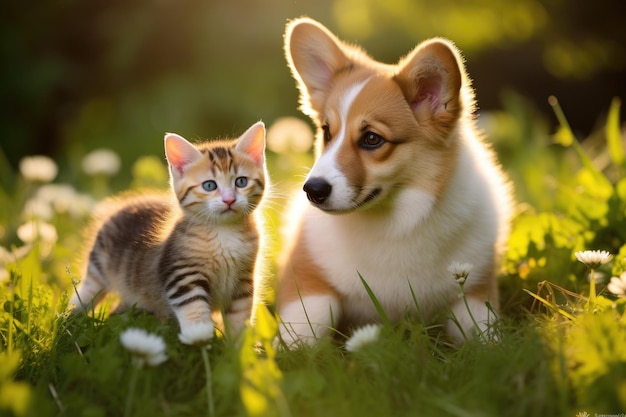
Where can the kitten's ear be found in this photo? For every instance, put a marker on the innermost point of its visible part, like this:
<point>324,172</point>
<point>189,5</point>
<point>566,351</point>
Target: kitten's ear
<point>179,152</point>
<point>252,142</point>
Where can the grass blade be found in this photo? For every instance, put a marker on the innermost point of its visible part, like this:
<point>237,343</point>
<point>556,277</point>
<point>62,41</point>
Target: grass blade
<point>379,308</point>
<point>550,305</point>
<point>565,137</point>
<point>613,133</point>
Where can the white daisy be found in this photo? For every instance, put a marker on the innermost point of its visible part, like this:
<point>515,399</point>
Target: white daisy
<point>45,234</point>
<point>618,285</point>
<point>460,271</point>
<point>593,258</point>
<point>81,206</point>
<point>38,209</point>
<point>101,161</point>
<point>145,347</point>
<point>37,230</point>
<point>5,256</point>
<point>53,192</point>
<point>197,334</point>
<point>363,336</point>
<point>38,168</point>
<point>62,198</point>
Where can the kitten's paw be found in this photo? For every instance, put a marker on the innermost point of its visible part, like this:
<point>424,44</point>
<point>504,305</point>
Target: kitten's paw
<point>197,333</point>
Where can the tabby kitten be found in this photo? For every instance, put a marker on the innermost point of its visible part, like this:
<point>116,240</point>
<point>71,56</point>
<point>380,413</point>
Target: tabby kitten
<point>193,255</point>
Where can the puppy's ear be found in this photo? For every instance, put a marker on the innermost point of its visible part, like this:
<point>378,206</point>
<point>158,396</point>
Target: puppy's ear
<point>433,80</point>
<point>314,55</point>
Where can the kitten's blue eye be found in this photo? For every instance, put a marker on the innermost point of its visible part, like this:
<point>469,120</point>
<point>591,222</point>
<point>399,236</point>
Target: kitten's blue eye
<point>209,185</point>
<point>241,182</point>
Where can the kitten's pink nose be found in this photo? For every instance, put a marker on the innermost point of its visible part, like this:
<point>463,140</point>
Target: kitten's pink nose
<point>228,197</point>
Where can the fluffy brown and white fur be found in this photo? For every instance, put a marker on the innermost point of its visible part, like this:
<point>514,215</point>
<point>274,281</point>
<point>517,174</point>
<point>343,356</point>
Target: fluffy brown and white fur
<point>402,187</point>
<point>192,252</point>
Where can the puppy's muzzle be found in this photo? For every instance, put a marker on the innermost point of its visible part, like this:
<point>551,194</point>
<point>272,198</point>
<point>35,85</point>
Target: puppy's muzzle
<point>317,190</point>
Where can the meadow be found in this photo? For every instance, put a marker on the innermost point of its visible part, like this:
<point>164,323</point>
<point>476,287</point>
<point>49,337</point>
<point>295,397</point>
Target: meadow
<point>560,350</point>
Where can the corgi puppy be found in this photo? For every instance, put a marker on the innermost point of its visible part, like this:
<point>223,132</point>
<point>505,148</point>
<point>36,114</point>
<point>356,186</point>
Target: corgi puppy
<point>402,187</point>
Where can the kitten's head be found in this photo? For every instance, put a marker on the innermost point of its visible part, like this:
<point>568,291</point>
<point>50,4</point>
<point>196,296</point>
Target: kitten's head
<point>219,181</point>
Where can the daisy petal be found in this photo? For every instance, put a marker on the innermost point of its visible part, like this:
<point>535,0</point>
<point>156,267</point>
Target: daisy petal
<point>363,336</point>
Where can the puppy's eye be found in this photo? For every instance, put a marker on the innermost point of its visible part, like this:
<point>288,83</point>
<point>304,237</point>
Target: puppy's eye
<point>370,141</point>
<point>326,131</point>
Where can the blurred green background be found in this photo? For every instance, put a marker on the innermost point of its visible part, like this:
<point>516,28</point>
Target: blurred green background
<point>79,75</point>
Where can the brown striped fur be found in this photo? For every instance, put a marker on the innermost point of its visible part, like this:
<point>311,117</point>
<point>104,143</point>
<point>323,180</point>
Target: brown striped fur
<point>190,253</point>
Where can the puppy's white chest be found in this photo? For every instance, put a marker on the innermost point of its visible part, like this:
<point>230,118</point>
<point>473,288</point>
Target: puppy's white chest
<point>400,268</point>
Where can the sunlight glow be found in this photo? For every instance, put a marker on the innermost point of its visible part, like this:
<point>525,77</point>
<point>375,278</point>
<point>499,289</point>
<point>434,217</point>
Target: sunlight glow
<point>289,134</point>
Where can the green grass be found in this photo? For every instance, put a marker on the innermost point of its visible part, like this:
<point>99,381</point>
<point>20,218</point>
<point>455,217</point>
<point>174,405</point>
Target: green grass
<point>559,353</point>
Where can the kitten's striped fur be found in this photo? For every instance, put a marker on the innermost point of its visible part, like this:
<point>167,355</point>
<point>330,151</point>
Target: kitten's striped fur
<point>192,253</point>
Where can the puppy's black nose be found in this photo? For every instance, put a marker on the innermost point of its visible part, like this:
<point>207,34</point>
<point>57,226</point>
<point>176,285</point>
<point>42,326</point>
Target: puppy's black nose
<point>317,190</point>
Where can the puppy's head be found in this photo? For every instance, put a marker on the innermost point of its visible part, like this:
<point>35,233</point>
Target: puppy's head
<point>381,128</point>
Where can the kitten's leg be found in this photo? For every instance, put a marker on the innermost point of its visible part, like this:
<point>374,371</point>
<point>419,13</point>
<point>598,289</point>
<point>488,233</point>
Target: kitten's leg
<point>308,318</point>
<point>240,308</point>
<point>190,301</point>
<point>190,315</point>
<point>94,286</point>
<point>91,289</point>
<point>464,320</point>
